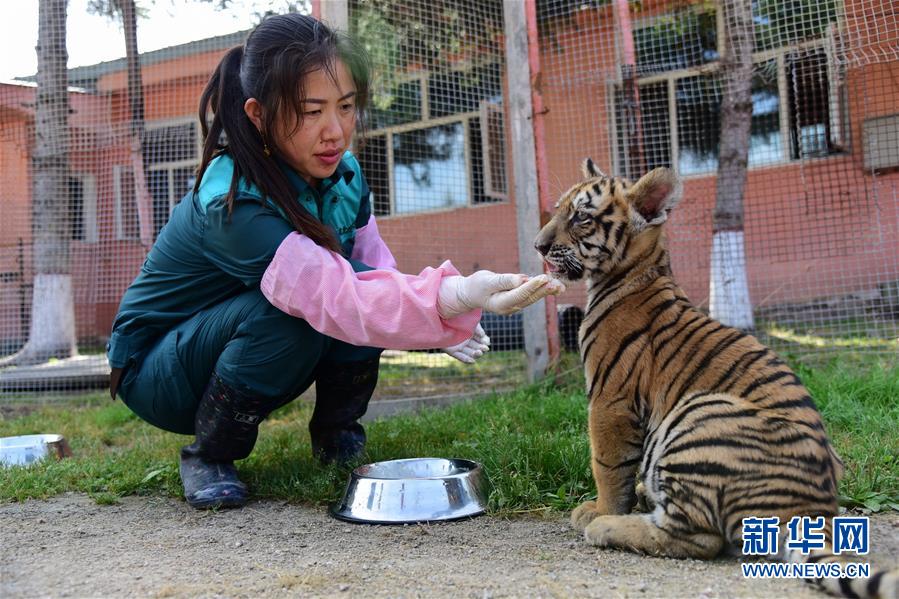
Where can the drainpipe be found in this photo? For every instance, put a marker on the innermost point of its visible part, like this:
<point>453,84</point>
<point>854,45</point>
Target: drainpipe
<point>632,121</point>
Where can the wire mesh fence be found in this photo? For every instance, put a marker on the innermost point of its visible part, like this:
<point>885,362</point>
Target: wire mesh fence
<point>818,241</point>
<point>90,177</point>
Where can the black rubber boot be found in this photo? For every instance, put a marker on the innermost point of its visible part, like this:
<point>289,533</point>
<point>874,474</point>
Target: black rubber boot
<point>209,484</point>
<point>342,393</point>
<point>227,424</point>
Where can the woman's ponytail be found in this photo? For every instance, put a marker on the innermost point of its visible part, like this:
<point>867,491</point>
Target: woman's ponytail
<point>219,98</point>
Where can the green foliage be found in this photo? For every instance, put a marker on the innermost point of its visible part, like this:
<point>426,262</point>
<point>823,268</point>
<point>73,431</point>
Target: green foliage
<point>400,38</point>
<point>780,23</point>
<point>430,37</point>
<point>684,38</point>
<point>377,36</point>
<point>112,9</point>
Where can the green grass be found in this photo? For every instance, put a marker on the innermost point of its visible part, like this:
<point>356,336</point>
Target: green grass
<point>532,442</point>
<point>859,401</point>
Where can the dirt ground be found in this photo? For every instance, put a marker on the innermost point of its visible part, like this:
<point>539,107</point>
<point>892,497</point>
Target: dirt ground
<point>153,547</point>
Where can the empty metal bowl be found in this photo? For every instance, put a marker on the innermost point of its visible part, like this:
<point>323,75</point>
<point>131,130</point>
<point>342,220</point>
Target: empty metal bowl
<point>413,490</point>
<point>28,449</point>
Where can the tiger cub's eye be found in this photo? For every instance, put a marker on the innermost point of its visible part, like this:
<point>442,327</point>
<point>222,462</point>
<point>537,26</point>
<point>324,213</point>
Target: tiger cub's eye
<point>581,217</point>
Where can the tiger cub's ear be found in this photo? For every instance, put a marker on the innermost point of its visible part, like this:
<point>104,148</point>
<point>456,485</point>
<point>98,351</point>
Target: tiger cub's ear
<point>590,170</point>
<point>653,197</point>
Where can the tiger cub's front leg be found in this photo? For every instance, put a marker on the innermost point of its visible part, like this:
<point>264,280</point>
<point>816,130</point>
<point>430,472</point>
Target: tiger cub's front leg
<point>616,446</point>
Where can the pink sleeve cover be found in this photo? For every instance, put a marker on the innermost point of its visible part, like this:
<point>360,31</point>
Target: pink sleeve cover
<point>370,248</point>
<point>376,308</point>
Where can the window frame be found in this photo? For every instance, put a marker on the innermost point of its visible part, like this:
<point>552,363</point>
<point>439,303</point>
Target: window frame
<point>836,96</point>
<point>171,166</point>
<point>492,189</point>
<point>462,118</point>
<point>117,172</point>
<point>699,8</point>
<point>426,122</point>
<point>88,206</point>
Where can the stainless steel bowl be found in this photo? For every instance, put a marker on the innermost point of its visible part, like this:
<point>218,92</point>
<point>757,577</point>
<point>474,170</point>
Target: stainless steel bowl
<point>413,490</point>
<point>25,450</point>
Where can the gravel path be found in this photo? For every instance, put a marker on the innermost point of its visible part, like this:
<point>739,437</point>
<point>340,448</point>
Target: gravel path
<point>153,547</point>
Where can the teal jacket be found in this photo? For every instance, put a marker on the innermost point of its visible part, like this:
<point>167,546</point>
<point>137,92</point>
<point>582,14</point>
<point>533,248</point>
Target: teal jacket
<point>203,256</point>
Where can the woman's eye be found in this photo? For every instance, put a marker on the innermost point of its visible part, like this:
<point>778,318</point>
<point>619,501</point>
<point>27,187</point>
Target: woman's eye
<point>312,112</point>
<point>346,107</point>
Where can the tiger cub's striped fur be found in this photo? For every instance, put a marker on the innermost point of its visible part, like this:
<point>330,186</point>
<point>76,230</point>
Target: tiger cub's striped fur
<point>713,424</point>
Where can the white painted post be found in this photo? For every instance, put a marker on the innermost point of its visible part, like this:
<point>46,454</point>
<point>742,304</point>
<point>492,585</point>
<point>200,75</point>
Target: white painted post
<point>524,168</point>
<point>335,13</point>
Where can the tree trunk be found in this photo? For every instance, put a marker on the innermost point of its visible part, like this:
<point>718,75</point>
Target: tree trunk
<point>136,104</point>
<point>52,330</point>
<point>729,290</point>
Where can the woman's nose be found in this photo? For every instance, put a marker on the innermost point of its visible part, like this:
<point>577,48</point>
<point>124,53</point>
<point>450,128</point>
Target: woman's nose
<point>332,129</point>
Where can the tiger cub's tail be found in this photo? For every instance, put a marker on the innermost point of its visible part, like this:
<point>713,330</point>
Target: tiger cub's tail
<point>878,584</point>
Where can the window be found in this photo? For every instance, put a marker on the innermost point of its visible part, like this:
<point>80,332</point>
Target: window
<point>809,95</point>
<point>76,208</point>
<point>436,142</point>
<point>654,128</point>
<point>698,108</point>
<point>765,138</point>
<point>678,40</point>
<point>778,23</point>
<point>373,159</point>
<point>171,152</point>
<point>493,150</point>
<point>796,94</point>
<point>402,105</point>
<point>127,223</point>
<point>430,168</point>
<point>82,190</point>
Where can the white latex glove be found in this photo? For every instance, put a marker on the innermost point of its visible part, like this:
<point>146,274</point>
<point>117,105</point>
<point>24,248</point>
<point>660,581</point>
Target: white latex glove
<point>469,351</point>
<point>499,293</point>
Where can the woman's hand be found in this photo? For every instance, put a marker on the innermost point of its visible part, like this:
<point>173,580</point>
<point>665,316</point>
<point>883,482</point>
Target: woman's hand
<point>499,293</point>
<point>469,351</point>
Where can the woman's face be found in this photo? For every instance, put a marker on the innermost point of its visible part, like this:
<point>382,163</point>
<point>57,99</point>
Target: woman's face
<point>315,148</point>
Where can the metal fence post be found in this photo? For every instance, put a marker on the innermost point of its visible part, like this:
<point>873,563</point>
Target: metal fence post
<point>541,334</point>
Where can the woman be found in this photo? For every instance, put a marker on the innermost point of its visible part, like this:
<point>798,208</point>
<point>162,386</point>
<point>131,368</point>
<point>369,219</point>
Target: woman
<point>271,273</point>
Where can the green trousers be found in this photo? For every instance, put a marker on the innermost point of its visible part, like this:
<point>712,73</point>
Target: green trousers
<point>253,346</point>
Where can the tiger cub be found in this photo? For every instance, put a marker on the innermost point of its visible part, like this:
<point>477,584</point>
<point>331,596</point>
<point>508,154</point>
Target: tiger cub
<point>713,424</point>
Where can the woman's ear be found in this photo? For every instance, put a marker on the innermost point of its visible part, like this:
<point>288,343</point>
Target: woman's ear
<point>254,111</point>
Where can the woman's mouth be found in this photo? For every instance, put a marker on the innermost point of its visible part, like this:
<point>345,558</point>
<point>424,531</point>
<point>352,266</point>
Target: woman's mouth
<point>330,158</point>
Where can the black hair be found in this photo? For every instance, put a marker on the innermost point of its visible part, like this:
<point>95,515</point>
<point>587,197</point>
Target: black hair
<point>271,66</point>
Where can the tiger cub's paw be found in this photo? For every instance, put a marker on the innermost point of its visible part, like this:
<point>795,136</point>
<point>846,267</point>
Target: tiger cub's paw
<point>584,515</point>
<point>598,531</point>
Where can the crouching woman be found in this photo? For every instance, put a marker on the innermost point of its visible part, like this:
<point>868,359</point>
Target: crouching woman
<point>271,274</point>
